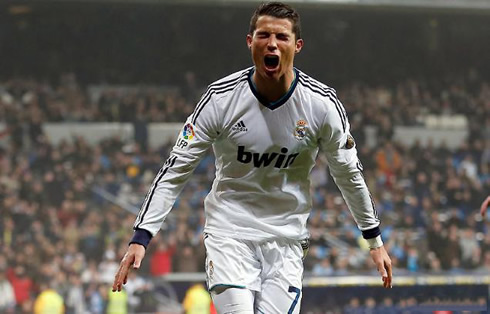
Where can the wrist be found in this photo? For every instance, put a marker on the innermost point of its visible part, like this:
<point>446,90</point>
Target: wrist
<point>141,237</point>
<point>375,242</point>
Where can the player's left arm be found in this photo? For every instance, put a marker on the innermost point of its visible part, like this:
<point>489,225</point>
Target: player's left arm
<point>346,169</point>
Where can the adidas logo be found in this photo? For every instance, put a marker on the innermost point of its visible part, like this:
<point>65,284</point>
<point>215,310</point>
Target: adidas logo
<point>240,127</point>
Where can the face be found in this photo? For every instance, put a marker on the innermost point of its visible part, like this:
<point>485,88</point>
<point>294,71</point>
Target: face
<point>273,46</point>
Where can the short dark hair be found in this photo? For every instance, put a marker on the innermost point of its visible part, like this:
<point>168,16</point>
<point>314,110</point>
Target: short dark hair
<point>278,10</point>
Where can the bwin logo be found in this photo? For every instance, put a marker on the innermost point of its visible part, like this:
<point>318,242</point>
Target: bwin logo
<point>264,160</point>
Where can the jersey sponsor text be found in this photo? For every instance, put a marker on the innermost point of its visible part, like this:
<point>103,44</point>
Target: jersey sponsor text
<point>280,160</point>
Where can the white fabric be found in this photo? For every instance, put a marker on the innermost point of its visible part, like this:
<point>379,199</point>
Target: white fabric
<point>375,242</point>
<point>273,268</point>
<point>7,296</point>
<point>264,156</point>
<point>234,301</point>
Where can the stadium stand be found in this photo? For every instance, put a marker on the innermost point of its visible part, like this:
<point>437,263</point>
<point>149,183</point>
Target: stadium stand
<point>427,196</point>
<point>419,110</point>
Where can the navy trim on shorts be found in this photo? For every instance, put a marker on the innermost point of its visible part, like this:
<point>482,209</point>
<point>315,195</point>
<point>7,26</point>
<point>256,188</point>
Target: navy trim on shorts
<point>227,285</point>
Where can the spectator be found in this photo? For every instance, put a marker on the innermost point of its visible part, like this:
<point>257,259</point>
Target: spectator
<point>323,268</point>
<point>197,300</point>
<point>386,307</point>
<point>108,265</point>
<point>388,162</point>
<point>48,301</point>
<point>354,306</point>
<point>117,303</point>
<point>97,298</point>
<point>469,245</point>
<point>7,296</point>
<point>21,284</point>
<point>185,260</point>
<point>137,288</point>
<point>161,259</point>
<point>75,300</point>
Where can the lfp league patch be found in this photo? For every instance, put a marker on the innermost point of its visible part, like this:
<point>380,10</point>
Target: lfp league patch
<point>188,132</point>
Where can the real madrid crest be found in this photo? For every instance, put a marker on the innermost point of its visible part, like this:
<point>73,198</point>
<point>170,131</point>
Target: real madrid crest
<point>300,129</point>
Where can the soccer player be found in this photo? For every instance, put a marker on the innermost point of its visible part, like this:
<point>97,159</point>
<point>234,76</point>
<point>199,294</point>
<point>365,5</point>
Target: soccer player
<point>266,125</point>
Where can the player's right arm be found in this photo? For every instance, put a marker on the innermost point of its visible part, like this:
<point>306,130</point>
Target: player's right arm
<point>198,133</point>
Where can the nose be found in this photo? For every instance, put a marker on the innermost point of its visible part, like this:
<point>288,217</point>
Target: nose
<point>272,43</point>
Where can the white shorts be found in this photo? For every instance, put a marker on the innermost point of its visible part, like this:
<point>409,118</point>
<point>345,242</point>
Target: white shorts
<point>272,268</point>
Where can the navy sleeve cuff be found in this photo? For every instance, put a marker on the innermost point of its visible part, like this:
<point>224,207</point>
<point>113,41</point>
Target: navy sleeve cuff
<point>371,233</point>
<point>141,236</point>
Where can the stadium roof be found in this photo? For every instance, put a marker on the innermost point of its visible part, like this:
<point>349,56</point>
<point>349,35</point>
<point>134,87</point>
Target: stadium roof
<point>468,4</point>
<point>442,4</point>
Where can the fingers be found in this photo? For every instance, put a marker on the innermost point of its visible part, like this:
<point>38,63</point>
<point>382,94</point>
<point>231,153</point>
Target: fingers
<point>387,275</point>
<point>119,279</point>
<point>384,274</point>
<point>133,257</point>
<point>384,268</point>
<point>122,274</point>
<point>117,284</point>
<point>137,262</point>
<point>385,278</point>
<point>138,252</point>
<point>387,282</point>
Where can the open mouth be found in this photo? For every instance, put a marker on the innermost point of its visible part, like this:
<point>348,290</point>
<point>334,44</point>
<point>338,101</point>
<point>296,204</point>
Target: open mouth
<point>271,62</point>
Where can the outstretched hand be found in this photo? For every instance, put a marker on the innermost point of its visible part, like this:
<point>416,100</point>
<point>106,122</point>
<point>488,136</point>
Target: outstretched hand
<point>484,206</point>
<point>133,257</point>
<point>383,264</point>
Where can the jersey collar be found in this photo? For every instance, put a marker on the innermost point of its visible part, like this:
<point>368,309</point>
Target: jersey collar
<point>278,103</point>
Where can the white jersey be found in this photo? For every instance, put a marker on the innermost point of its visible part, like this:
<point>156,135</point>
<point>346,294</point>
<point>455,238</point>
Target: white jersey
<point>264,155</point>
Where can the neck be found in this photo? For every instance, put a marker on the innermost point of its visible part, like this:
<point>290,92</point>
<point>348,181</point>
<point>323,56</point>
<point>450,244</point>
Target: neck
<point>273,89</point>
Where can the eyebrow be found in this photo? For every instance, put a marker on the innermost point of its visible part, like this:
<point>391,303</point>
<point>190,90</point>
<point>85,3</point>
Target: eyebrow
<point>262,33</point>
<point>268,33</point>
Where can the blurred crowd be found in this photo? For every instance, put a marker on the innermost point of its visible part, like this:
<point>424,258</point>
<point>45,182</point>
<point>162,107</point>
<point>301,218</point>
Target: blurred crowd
<point>28,103</point>
<point>404,305</point>
<point>58,234</point>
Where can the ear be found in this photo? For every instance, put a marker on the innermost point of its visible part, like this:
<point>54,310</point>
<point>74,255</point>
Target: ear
<point>249,41</point>
<point>299,45</point>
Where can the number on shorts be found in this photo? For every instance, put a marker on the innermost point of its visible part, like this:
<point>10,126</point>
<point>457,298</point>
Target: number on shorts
<point>298,292</point>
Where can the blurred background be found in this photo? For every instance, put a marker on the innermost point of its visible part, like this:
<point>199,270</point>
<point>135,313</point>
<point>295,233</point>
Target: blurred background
<point>93,93</point>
